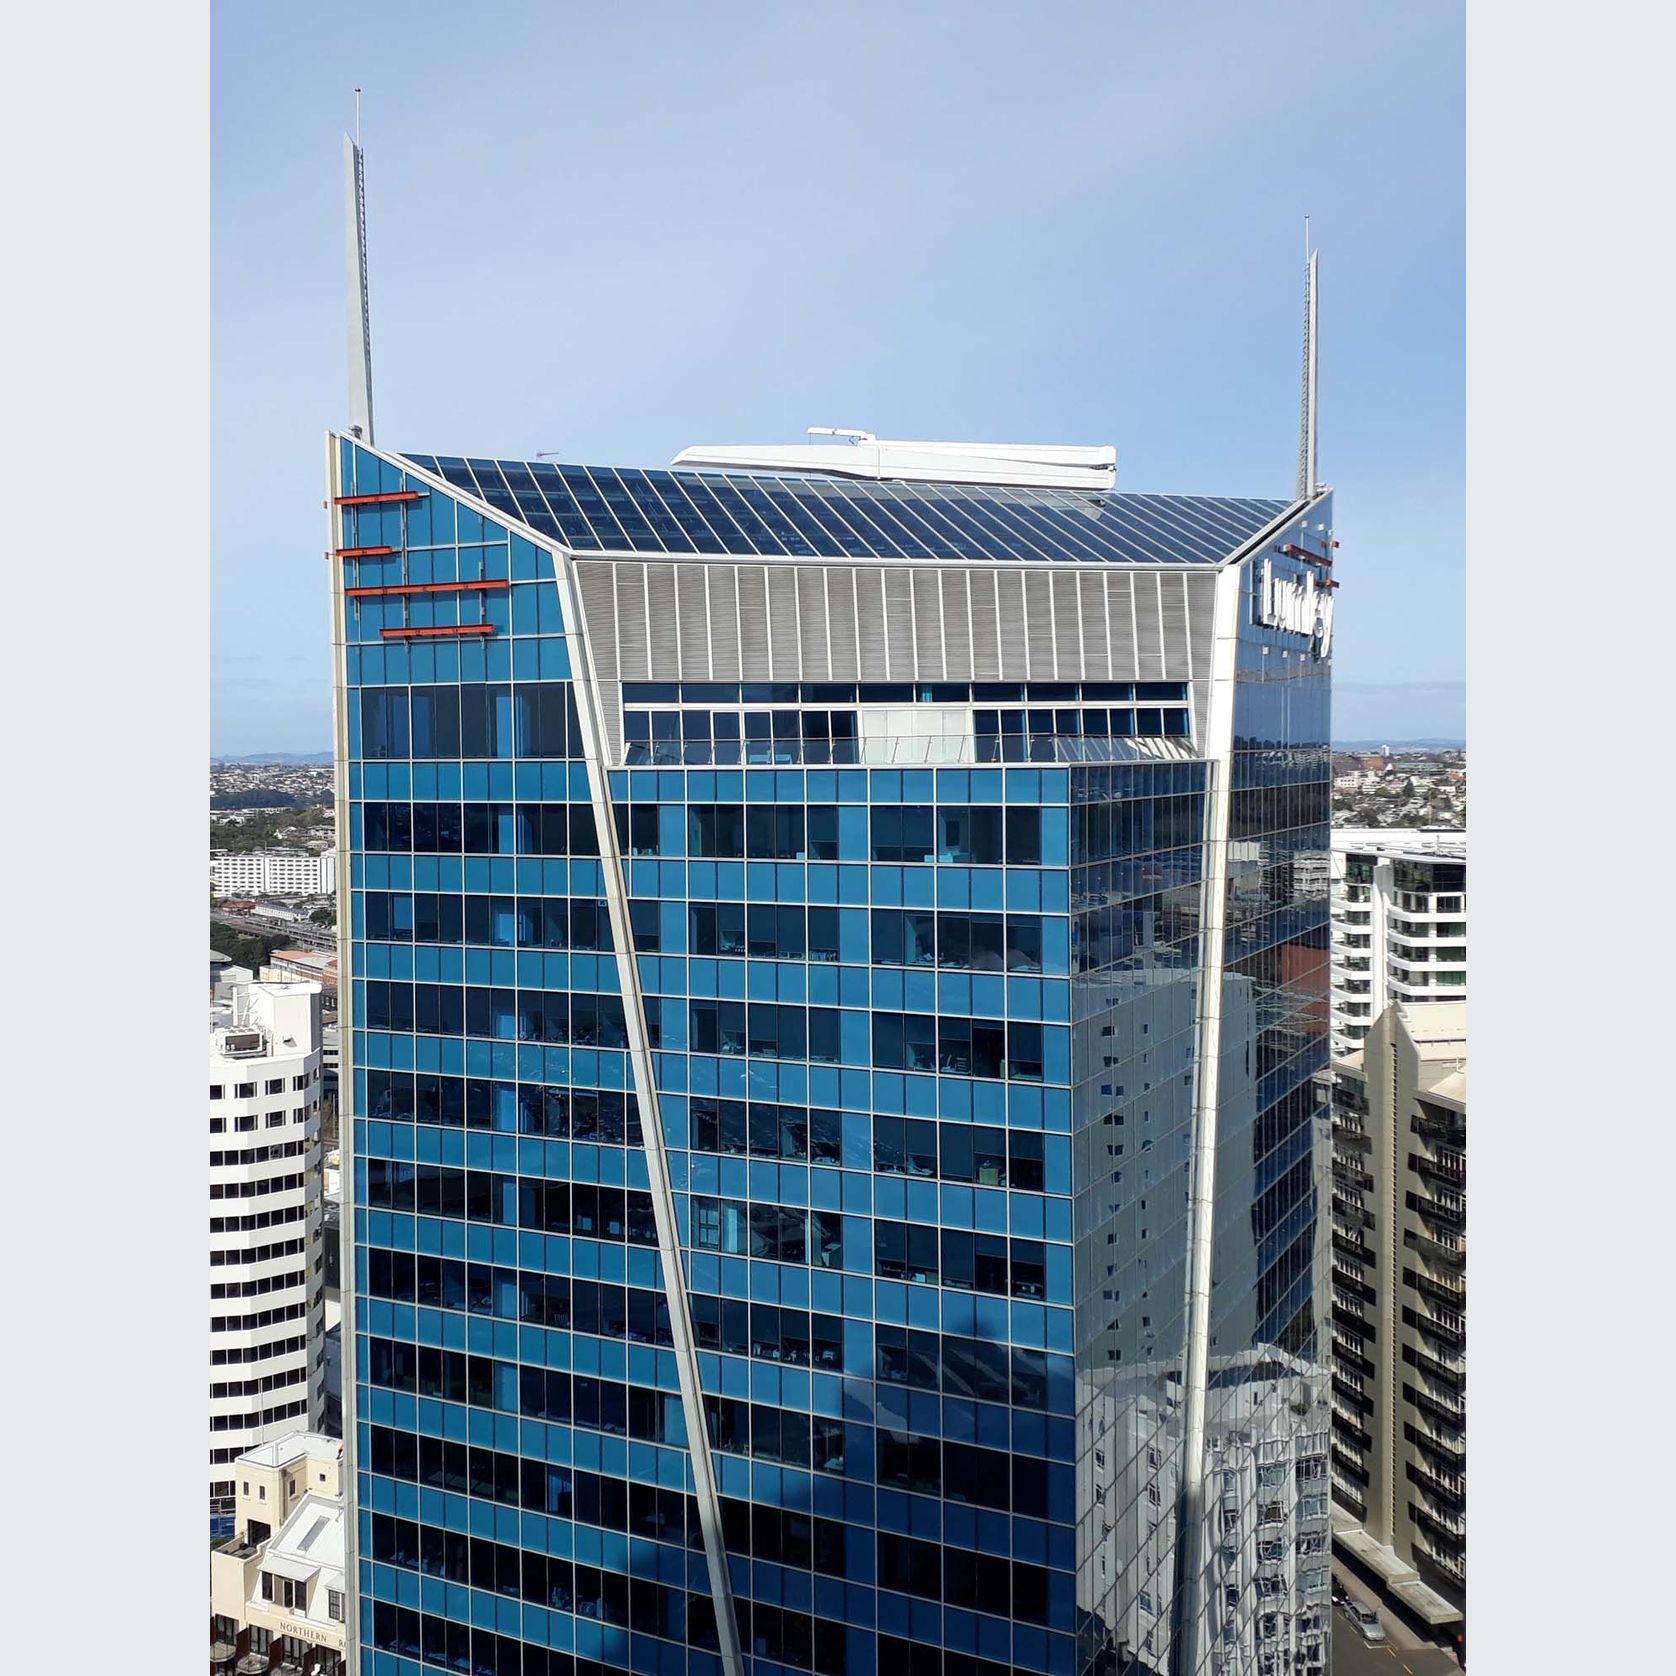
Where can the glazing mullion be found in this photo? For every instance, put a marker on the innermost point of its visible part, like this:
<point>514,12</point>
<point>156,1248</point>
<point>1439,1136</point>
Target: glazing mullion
<point>1015,539</point>
<point>703,496</point>
<point>665,487</point>
<point>814,501</point>
<point>756,529</point>
<point>952,540</point>
<point>608,531</point>
<point>578,533</point>
<point>641,532</point>
<point>492,489</point>
<point>452,469</point>
<point>1174,546</point>
<point>1106,546</point>
<point>892,535</point>
<point>791,508</point>
<point>532,504</point>
<point>784,530</point>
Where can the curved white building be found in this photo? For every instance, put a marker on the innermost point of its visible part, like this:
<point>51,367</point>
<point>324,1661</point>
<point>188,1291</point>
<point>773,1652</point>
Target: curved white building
<point>266,1288</point>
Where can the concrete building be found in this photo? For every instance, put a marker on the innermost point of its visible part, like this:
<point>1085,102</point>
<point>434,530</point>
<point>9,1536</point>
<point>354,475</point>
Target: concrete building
<point>273,873</point>
<point>265,1283</point>
<point>277,1595</point>
<point>1399,1307</point>
<point>1399,924</point>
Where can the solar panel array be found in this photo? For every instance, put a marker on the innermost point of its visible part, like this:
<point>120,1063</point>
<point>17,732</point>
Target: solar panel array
<point>601,509</point>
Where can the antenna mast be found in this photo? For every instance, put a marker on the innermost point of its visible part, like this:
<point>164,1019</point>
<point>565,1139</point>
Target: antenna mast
<point>1307,483</point>
<point>360,319</point>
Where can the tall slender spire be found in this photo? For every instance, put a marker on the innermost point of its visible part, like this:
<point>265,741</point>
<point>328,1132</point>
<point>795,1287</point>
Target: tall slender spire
<point>1307,483</point>
<point>360,320</point>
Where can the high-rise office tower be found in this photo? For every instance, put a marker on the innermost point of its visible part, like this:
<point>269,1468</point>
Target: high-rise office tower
<point>1399,924</point>
<point>266,1309</point>
<point>836,946</point>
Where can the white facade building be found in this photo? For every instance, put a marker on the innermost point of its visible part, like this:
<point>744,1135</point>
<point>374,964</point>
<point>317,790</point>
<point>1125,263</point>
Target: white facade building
<point>266,1288</point>
<point>273,873</point>
<point>1399,924</point>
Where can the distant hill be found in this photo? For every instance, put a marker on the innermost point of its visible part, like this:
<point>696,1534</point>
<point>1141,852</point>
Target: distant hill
<point>260,759</point>
<point>1399,744</point>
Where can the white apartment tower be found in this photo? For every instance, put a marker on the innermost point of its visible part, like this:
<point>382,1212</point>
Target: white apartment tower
<point>266,1288</point>
<point>273,873</point>
<point>1399,925</point>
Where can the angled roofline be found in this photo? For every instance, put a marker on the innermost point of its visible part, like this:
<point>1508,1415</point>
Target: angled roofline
<point>1290,511</point>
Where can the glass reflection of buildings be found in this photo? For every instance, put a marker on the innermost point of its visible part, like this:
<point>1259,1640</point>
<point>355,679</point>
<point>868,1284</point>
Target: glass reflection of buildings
<point>779,1003</point>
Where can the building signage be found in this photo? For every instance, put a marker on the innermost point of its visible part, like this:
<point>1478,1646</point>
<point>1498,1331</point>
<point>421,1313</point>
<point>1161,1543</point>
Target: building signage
<point>1298,604</point>
<point>311,1633</point>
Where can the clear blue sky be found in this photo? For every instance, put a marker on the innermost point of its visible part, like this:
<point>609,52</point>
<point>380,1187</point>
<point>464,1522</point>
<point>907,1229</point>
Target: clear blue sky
<point>614,231</point>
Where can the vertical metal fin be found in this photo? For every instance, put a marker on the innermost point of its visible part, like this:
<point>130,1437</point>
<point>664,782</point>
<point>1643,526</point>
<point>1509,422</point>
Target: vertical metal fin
<point>360,320</point>
<point>1306,405</point>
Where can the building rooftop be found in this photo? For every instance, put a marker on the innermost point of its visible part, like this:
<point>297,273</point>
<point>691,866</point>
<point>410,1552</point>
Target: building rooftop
<point>1438,1030</point>
<point>1403,843</point>
<point>282,1451</point>
<point>759,514</point>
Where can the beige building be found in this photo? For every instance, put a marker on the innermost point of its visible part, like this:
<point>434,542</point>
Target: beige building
<point>277,1586</point>
<point>1399,1307</point>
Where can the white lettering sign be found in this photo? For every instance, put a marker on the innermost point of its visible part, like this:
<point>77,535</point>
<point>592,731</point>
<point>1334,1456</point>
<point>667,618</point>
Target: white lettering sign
<point>1298,604</point>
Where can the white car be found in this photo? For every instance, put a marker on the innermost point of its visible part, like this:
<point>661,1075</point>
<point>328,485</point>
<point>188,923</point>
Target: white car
<point>1366,1621</point>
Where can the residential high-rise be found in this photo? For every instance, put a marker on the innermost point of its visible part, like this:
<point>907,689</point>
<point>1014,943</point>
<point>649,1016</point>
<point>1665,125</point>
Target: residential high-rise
<point>265,1287</point>
<point>1399,1306</point>
<point>835,1001</point>
<point>1399,924</point>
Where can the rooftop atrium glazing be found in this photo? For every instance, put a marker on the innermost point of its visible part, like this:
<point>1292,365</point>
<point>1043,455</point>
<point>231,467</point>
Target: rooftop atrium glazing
<point>601,509</point>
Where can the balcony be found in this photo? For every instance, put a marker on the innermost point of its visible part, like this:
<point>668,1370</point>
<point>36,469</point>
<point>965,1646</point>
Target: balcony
<point>1449,1524</point>
<point>1442,1406</point>
<point>1441,1205</point>
<point>1438,1246</point>
<point>1449,1485</point>
<point>1450,1293</point>
<point>1445,1324</point>
<point>1448,1168</point>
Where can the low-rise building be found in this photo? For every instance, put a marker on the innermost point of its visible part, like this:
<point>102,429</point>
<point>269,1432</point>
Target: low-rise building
<point>310,965</point>
<point>277,1586</point>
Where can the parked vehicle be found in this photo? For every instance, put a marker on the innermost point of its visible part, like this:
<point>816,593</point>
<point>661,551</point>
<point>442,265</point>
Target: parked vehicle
<point>1366,1621</point>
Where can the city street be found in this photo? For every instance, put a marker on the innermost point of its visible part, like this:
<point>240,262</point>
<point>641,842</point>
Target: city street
<point>1352,1656</point>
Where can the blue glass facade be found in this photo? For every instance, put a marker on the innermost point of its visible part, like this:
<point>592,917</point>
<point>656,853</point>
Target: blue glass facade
<point>920,1045</point>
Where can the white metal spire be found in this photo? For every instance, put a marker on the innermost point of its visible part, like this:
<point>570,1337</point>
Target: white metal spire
<point>1307,480</point>
<point>360,320</point>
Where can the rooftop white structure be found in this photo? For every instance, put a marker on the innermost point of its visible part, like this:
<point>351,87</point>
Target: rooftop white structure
<point>861,454</point>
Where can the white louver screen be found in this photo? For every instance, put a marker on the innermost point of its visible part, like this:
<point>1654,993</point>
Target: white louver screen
<point>784,652</point>
<point>723,621</point>
<point>722,586</point>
